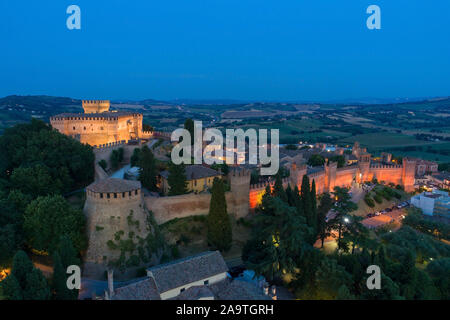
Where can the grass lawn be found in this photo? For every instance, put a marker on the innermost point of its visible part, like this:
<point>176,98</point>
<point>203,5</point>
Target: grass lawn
<point>190,236</point>
<point>364,209</point>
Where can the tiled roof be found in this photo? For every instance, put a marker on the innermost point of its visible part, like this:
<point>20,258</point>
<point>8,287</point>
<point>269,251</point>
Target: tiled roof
<point>140,290</point>
<point>184,271</point>
<point>237,290</point>
<point>195,293</point>
<point>114,185</point>
<point>194,172</point>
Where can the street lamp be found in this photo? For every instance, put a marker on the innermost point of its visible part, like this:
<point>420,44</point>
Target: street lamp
<point>346,220</point>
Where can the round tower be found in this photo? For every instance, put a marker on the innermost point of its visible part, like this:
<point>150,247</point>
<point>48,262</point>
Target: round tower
<point>115,214</point>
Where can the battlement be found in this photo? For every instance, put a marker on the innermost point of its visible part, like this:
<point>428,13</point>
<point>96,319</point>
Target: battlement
<point>95,106</point>
<point>239,172</point>
<point>385,166</point>
<point>109,145</point>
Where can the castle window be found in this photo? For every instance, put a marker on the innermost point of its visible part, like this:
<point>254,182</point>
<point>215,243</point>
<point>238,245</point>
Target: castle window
<point>73,128</point>
<point>123,194</point>
<point>84,128</point>
<point>129,193</point>
<point>115,195</point>
<point>108,195</point>
<point>135,192</point>
<point>101,195</point>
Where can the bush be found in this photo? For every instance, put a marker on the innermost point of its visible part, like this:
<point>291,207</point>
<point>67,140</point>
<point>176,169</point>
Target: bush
<point>369,201</point>
<point>378,198</point>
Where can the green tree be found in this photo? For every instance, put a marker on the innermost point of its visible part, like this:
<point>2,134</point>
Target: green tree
<point>278,240</point>
<point>10,288</point>
<point>147,169</point>
<point>49,218</point>
<point>340,159</point>
<point>134,160</point>
<point>278,190</point>
<point>344,206</point>
<point>316,160</point>
<point>177,179</point>
<point>218,221</point>
<point>326,203</point>
<point>36,286</point>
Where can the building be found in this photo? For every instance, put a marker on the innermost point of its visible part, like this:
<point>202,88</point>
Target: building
<point>441,180</point>
<point>425,167</point>
<point>433,203</point>
<point>200,277</point>
<point>199,178</point>
<point>98,126</point>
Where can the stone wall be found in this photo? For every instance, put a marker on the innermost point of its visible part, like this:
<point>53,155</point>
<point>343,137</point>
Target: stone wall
<point>106,217</point>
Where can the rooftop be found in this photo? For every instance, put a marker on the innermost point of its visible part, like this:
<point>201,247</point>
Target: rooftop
<point>140,290</point>
<point>194,172</point>
<point>187,270</point>
<point>105,115</point>
<point>114,185</point>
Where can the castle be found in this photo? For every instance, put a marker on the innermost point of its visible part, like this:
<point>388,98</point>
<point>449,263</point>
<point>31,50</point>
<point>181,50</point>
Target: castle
<point>98,126</point>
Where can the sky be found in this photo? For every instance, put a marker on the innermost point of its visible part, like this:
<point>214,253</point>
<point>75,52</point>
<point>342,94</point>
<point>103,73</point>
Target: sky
<point>284,50</point>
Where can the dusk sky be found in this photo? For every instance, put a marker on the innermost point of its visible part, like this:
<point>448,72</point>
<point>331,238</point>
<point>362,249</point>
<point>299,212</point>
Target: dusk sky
<point>227,49</point>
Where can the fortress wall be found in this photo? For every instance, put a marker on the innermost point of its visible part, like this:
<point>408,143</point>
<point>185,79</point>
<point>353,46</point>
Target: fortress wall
<point>319,179</point>
<point>345,177</point>
<point>386,174</point>
<point>171,207</point>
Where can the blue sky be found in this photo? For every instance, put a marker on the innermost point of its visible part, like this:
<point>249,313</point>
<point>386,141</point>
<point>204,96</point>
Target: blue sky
<point>227,49</point>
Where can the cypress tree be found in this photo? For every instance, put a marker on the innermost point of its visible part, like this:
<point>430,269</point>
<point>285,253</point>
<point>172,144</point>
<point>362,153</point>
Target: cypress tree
<point>297,201</point>
<point>278,188</point>
<point>65,256</point>
<point>10,288</point>
<point>147,171</point>
<point>313,214</point>
<point>177,179</point>
<point>326,203</point>
<point>305,197</point>
<point>218,221</point>
<point>36,286</point>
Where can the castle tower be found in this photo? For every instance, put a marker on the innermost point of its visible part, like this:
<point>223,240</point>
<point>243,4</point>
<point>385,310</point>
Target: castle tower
<point>114,210</point>
<point>240,188</point>
<point>408,174</point>
<point>330,176</point>
<point>95,106</point>
<point>296,175</point>
<point>364,168</point>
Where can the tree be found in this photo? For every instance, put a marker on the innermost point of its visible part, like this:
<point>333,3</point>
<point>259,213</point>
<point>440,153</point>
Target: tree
<point>316,160</point>
<point>177,179</point>
<point>134,160</point>
<point>9,243</point>
<point>218,221</point>
<point>116,158</point>
<point>36,286</point>
<point>343,207</point>
<point>68,162</point>
<point>147,169</point>
<point>59,281</point>
<point>278,190</point>
<point>35,181</point>
<point>279,239</point>
<point>10,288</point>
<point>313,214</point>
<point>25,281</point>
<point>49,218</point>
<point>326,203</point>
<point>189,126</point>
<point>340,159</point>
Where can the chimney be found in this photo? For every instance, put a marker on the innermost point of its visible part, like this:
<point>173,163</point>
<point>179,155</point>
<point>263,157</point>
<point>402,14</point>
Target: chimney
<point>110,283</point>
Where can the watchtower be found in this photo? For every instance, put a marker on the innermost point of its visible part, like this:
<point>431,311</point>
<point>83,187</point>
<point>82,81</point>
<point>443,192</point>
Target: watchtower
<point>95,106</point>
<point>240,188</point>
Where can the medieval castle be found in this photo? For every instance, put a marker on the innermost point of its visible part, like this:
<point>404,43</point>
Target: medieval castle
<point>117,207</point>
<point>98,126</point>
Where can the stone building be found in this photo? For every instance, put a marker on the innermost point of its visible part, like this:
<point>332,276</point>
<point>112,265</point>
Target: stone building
<point>199,178</point>
<point>98,126</point>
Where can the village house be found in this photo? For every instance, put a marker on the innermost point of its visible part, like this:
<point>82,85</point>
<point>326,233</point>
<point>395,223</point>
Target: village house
<point>199,178</point>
